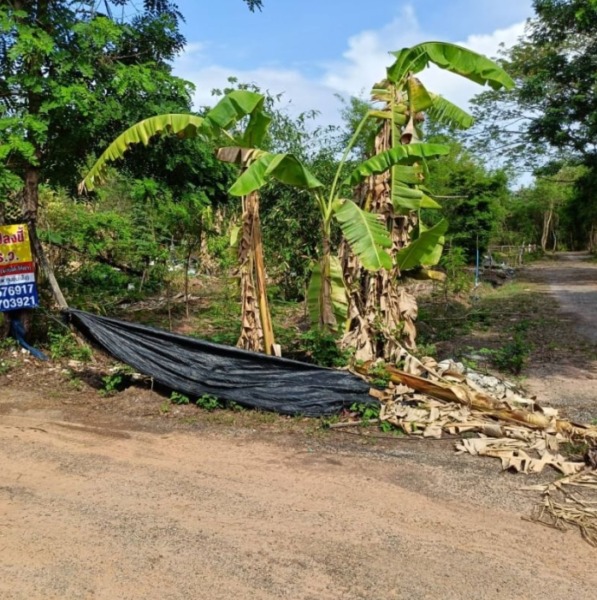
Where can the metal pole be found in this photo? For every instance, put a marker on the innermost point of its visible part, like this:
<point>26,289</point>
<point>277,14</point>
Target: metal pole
<point>477,264</point>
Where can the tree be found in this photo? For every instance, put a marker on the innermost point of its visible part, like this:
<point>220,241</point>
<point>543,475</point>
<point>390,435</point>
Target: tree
<point>551,114</point>
<point>234,107</point>
<point>473,198</point>
<point>580,212</point>
<point>72,76</point>
<point>363,231</point>
<point>66,74</point>
<point>393,185</point>
<point>554,101</point>
<point>397,161</point>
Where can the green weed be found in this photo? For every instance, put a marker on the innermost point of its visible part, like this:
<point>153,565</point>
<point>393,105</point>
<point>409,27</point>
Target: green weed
<point>179,399</point>
<point>322,348</point>
<point>117,381</point>
<point>514,354</point>
<point>6,366</point>
<point>65,345</point>
<point>208,402</point>
<point>112,384</point>
<point>75,382</point>
<point>366,411</point>
<point>379,375</point>
<point>574,448</point>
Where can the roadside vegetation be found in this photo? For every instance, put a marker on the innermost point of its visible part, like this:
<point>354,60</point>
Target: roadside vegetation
<point>244,223</point>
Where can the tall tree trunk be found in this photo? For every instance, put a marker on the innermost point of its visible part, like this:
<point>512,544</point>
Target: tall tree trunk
<point>30,205</point>
<point>31,176</point>
<point>593,238</point>
<point>547,217</point>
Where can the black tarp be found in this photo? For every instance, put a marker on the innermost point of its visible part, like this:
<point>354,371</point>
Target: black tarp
<point>194,367</point>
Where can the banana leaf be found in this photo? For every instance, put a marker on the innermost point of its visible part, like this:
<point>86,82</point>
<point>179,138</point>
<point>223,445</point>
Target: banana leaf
<point>450,57</point>
<point>141,133</point>
<point>229,110</point>
<point>411,199</point>
<point>397,114</point>
<point>429,202</point>
<point>286,168</point>
<point>408,174</point>
<point>425,250</point>
<point>383,161</point>
<point>419,98</point>
<point>444,111</point>
<point>235,106</point>
<point>339,296</point>
<point>366,235</point>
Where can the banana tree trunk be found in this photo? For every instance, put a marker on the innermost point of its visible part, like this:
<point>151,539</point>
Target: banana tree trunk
<point>327,319</point>
<point>260,279</point>
<point>256,323</point>
<point>381,311</point>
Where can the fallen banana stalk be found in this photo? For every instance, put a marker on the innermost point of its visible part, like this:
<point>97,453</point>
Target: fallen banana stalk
<point>488,405</point>
<point>344,424</point>
<point>425,401</point>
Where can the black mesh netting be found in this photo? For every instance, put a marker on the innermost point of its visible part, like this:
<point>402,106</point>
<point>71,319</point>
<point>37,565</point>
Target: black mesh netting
<point>194,367</point>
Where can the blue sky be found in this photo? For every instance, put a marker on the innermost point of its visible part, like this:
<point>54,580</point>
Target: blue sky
<point>313,49</point>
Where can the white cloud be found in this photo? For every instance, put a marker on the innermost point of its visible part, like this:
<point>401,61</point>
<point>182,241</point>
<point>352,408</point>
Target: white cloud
<point>367,56</point>
<point>490,43</point>
<point>362,64</point>
<point>299,93</point>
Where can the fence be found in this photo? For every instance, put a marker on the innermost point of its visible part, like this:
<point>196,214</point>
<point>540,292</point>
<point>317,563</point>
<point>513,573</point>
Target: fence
<point>511,256</point>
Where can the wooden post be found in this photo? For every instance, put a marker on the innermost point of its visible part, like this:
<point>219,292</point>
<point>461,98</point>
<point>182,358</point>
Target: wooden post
<point>45,266</point>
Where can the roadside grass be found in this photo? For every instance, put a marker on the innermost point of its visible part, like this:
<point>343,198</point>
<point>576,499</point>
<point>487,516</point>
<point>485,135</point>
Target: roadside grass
<point>502,329</point>
<point>507,328</point>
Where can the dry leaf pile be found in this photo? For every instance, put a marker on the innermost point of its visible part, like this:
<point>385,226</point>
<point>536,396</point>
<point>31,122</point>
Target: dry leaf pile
<point>570,501</point>
<point>431,400</point>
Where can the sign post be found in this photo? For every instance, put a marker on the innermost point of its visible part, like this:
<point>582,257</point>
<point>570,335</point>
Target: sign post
<point>17,270</point>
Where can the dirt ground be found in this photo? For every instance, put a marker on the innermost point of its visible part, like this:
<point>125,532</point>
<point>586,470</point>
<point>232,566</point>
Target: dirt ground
<point>570,381</point>
<point>115,498</point>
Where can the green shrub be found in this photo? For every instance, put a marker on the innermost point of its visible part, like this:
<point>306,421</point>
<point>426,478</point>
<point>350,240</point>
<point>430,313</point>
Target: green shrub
<point>63,344</point>
<point>180,399</point>
<point>322,348</point>
<point>513,355</point>
<point>208,402</point>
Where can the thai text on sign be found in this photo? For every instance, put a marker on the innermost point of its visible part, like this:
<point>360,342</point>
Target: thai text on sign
<point>17,270</point>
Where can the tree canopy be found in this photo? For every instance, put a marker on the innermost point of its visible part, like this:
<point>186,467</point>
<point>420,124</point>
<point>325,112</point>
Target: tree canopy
<point>553,108</point>
<point>73,74</point>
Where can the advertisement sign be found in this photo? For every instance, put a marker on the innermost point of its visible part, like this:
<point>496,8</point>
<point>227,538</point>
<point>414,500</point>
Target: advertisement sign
<point>17,270</point>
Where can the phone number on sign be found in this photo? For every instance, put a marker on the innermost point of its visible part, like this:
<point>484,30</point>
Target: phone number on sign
<point>17,290</point>
<point>20,302</point>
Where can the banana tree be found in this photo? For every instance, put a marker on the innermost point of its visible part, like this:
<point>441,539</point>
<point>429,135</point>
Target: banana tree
<point>256,329</point>
<point>364,231</point>
<point>381,311</point>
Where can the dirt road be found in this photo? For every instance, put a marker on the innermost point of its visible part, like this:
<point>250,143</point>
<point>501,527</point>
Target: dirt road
<point>91,512</point>
<point>572,280</point>
<point>98,505</point>
<point>570,382</point>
